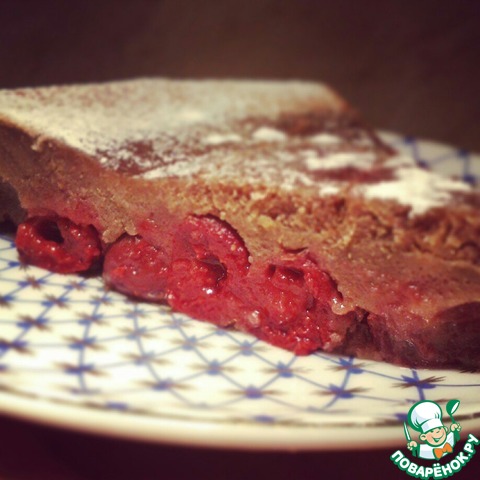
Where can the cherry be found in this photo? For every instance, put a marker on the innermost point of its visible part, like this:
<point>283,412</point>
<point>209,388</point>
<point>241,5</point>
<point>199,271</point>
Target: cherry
<point>134,266</point>
<point>208,261</point>
<point>293,298</point>
<point>58,244</point>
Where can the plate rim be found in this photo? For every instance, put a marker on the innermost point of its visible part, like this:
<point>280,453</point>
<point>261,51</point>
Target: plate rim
<point>206,432</point>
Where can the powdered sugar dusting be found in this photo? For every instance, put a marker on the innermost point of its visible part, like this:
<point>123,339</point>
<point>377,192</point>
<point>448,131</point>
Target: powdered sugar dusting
<point>329,188</point>
<point>152,129</point>
<point>341,160</point>
<point>269,135</point>
<point>326,139</point>
<point>398,161</point>
<point>418,188</point>
<point>191,116</point>
<point>219,139</point>
<point>104,117</point>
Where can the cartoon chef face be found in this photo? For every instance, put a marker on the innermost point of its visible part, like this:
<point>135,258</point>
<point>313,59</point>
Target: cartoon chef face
<point>435,437</point>
<point>426,417</point>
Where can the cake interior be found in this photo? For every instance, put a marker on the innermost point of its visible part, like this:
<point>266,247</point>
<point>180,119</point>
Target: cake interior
<point>300,228</point>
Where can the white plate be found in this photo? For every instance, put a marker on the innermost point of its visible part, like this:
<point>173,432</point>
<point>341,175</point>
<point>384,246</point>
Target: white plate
<point>77,356</point>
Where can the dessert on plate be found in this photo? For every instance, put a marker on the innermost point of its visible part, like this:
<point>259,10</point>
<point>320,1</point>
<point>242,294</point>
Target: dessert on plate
<point>268,207</point>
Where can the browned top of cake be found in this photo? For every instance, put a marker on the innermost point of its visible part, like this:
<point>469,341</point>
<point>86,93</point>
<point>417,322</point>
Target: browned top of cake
<point>287,134</point>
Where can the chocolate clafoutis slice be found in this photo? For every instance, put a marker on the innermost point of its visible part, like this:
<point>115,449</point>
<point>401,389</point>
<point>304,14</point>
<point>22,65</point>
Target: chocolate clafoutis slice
<point>268,207</point>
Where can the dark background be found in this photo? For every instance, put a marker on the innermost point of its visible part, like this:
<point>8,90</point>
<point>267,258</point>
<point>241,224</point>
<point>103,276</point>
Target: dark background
<point>409,66</point>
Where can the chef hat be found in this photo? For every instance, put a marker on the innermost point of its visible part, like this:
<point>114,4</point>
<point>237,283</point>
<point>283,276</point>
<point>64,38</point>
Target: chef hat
<point>424,416</point>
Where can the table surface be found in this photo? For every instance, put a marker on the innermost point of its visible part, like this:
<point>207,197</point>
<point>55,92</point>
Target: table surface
<point>29,451</point>
<point>411,67</point>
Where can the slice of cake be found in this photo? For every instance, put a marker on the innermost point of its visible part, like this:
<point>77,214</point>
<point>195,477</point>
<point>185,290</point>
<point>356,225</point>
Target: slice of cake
<point>268,207</point>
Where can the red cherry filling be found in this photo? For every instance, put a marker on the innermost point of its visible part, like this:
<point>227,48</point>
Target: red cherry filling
<point>208,276</point>
<point>137,268</point>
<point>209,262</point>
<point>293,301</point>
<point>57,244</point>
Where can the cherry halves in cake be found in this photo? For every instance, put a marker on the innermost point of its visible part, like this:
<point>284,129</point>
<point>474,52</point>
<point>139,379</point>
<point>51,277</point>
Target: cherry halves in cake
<point>268,207</point>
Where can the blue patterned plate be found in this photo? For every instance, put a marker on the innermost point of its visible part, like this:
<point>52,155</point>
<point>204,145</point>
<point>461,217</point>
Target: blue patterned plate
<point>73,354</point>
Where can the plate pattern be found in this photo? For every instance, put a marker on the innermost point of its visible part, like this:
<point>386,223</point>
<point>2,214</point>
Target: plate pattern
<point>68,341</point>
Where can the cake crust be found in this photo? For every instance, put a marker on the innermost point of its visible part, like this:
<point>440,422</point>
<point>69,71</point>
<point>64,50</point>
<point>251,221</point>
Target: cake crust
<point>288,168</point>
